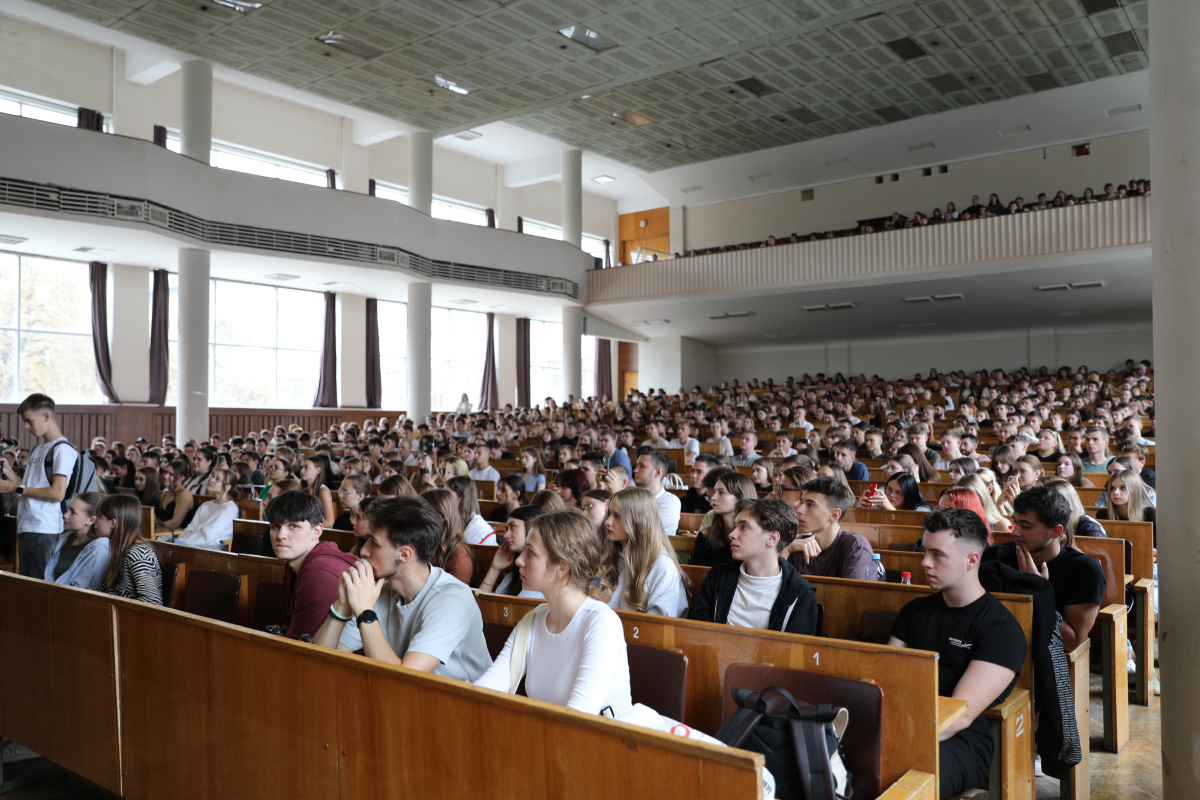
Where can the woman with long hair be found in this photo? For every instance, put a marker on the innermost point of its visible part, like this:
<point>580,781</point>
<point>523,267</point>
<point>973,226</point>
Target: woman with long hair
<point>960,467</point>
<point>983,483</point>
<point>279,468</point>
<point>762,473</point>
<point>176,506</point>
<point>1128,500</point>
<point>202,467</point>
<point>835,472</point>
<point>576,655</point>
<point>145,483</point>
<point>510,495</point>
<point>133,568</point>
<point>449,468</point>
<point>725,488</point>
<point>81,557</point>
<point>213,522</point>
<point>638,563</point>
<point>901,492</point>
<point>1004,461</point>
<point>352,491</point>
<point>397,486</point>
<point>571,485</point>
<point>901,463</point>
<point>121,472</point>
<point>925,471</point>
<point>958,497</point>
<point>503,576</point>
<point>1026,473</point>
<point>1049,447</point>
<point>533,471</point>
<point>476,529</point>
<point>452,553</point>
<point>1081,524</point>
<point>313,478</point>
<point>1070,469</point>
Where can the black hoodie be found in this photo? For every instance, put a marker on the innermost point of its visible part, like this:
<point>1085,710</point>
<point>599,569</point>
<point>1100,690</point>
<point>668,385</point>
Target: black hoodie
<point>794,611</point>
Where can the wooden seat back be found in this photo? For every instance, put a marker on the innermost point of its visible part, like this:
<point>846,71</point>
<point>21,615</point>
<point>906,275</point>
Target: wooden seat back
<point>214,595</point>
<point>658,679</point>
<point>270,604</point>
<point>690,522</point>
<point>254,569</point>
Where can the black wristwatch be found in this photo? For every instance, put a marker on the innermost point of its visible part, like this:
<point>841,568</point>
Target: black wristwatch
<point>367,616</point>
<point>21,491</point>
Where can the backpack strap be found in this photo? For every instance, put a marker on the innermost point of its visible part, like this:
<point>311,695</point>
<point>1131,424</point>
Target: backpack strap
<point>739,726</point>
<point>816,777</point>
<point>519,653</point>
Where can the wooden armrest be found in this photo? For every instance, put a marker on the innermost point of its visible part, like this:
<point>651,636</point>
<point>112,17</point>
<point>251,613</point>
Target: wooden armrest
<point>161,534</point>
<point>1083,651</point>
<point>1012,704</point>
<point>949,709</point>
<point>1144,585</point>
<point>1128,579</point>
<point>913,785</point>
<point>1114,612</point>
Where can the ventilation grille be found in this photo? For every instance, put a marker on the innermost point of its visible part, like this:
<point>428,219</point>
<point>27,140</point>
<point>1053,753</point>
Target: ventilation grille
<point>97,204</point>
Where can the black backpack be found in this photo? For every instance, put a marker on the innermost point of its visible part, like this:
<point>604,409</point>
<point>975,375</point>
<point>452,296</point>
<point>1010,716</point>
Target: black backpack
<point>82,479</point>
<point>800,742</point>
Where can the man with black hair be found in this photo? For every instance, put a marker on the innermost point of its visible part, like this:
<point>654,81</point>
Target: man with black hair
<point>398,608</point>
<point>758,589</point>
<point>313,569</point>
<point>825,549</point>
<point>498,451</point>
<point>696,499</point>
<point>252,460</point>
<point>979,643</point>
<point>1043,546</point>
<point>648,474</point>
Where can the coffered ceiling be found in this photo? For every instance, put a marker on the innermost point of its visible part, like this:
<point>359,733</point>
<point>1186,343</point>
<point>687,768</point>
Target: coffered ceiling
<point>706,78</point>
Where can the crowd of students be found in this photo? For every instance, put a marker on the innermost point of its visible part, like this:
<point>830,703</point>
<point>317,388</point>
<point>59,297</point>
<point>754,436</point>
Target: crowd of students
<point>593,537</point>
<point>994,207</point>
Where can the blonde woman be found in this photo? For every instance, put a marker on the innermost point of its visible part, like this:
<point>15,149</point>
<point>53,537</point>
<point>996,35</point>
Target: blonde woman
<point>451,467</point>
<point>213,521</point>
<point>638,561</point>
<point>1081,524</point>
<point>983,482</point>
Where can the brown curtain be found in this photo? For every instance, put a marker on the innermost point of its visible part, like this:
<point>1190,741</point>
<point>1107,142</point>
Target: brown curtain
<point>607,254</point>
<point>99,280</point>
<point>520,224</point>
<point>491,217</point>
<point>371,187</point>
<point>603,376</point>
<point>326,396</point>
<point>160,135</point>
<point>489,394</point>
<point>89,120</point>
<point>374,374</point>
<point>160,355</point>
<point>331,178</point>
<point>522,363</point>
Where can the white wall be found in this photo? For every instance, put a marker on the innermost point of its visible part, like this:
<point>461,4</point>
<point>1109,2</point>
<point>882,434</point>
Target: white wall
<point>671,362</point>
<point>1099,348</point>
<point>1115,159</point>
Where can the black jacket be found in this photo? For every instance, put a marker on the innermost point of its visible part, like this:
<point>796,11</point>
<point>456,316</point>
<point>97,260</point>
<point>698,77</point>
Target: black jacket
<point>694,503</point>
<point>795,609</point>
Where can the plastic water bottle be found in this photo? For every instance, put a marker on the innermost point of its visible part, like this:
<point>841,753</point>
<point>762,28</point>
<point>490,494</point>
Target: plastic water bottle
<point>906,578</point>
<point>880,572</point>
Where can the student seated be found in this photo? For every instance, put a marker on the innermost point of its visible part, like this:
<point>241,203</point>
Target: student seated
<point>481,470</point>
<point>979,643</point>
<point>595,505</point>
<point>452,553</point>
<point>313,569</point>
<point>639,565</point>
<point>476,530</point>
<point>397,608</point>
<point>81,557</point>
<point>213,522</point>
<point>1043,546</point>
<point>759,589</point>
<point>727,488</point>
<point>648,473</point>
<point>844,455</point>
<point>133,568</point>
<point>503,576</point>
<point>510,495</point>
<point>576,655</point>
<point>828,550</point>
<point>353,489</point>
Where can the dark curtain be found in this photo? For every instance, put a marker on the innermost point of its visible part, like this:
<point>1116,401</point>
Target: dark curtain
<point>520,224</point>
<point>89,120</point>
<point>489,395</point>
<point>160,358</point>
<point>99,281</point>
<point>331,178</point>
<point>603,381</point>
<point>160,135</point>
<point>374,374</point>
<point>607,254</point>
<point>326,396</point>
<point>371,187</point>
<point>523,363</point>
<point>491,217</point>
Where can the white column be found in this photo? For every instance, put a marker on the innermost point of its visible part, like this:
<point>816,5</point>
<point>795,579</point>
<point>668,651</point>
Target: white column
<point>195,133</point>
<point>678,233</point>
<point>1175,215</point>
<point>572,199</point>
<point>130,320</point>
<point>351,350</point>
<point>420,172</point>
<point>572,373</point>
<point>356,161</point>
<point>420,296</point>
<point>191,413</point>
<point>506,358</point>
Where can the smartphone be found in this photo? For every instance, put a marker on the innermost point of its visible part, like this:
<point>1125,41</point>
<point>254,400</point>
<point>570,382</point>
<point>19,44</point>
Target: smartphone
<point>871,489</point>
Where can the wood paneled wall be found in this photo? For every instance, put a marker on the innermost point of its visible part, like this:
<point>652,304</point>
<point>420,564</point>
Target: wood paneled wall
<point>627,367</point>
<point>656,234</point>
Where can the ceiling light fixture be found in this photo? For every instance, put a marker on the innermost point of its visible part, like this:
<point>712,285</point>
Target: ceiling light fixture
<point>1112,112</point>
<point>603,179</point>
<point>1088,285</point>
<point>837,162</point>
<point>468,136</point>
<point>690,189</point>
<point>465,302</point>
<point>281,276</point>
<point>906,48</point>
<point>762,176</point>
<point>336,283</point>
<point>658,322</point>
<point>239,5</point>
<point>97,251</point>
<point>913,148</point>
<point>5,239</point>
<point>355,46</point>
<point>921,299</point>
<point>684,141</point>
<point>831,307</point>
<point>1054,287</point>
<point>731,315</point>
<point>632,118</point>
<point>458,87</point>
<point>1014,129</point>
<point>588,38</point>
<point>955,296</point>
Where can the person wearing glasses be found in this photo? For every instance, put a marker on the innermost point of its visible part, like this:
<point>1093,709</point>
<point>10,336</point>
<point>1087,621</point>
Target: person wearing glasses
<point>353,489</point>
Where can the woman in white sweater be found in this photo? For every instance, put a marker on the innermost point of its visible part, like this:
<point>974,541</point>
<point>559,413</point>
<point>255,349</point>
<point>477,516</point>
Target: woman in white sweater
<point>639,563</point>
<point>575,652</point>
<point>213,521</point>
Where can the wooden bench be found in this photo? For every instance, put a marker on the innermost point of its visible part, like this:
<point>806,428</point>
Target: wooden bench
<point>250,569</point>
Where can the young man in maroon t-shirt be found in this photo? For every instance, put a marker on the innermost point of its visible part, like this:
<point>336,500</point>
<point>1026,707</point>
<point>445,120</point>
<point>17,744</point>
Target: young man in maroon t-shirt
<point>314,567</point>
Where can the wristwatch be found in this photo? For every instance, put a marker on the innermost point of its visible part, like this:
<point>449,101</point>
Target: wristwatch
<point>367,616</point>
<point>21,491</point>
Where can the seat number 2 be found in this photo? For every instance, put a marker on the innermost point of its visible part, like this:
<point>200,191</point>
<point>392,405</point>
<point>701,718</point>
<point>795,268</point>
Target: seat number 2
<point>635,632</point>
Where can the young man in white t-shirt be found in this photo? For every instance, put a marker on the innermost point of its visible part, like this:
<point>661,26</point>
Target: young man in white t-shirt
<point>481,470</point>
<point>759,589</point>
<point>684,440</point>
<point>39,512</point>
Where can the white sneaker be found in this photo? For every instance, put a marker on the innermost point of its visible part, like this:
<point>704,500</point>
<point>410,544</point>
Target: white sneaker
<point>1037,767</point>
<point>14,752</point>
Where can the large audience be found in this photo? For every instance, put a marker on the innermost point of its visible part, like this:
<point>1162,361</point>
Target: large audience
<point>587,496</point>
<point>976,209</point>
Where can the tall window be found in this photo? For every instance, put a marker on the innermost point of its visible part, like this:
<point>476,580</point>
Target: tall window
<point>456,356</point>
<point>587,372</point>
<point>545,363</point>
<point>393,353</point>
<point>21,105</point>
<point>442,208</point>
<point>592,245</point>
<point>252,162</point>
<point>46,330</point>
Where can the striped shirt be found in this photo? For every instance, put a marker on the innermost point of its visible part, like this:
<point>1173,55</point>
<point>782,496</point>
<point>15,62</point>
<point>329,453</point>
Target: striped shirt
<point>140,577</point>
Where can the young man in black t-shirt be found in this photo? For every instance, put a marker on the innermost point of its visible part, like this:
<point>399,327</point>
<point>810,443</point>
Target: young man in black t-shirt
<point>979,643</point>
<point>1042,545</point>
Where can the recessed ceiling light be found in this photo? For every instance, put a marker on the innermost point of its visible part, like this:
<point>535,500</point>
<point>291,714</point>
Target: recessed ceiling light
<point>658,322</point>
<point>464,302</point>
<point>955,296</point>
<point>95,251</point>
<point>281,276</point>
<point>469,136</point>
<point>762,176</point>
<point>921,299</point>
<point>891,113</point>
<point>603,179</point>
<point>239,5</point>
<point>837,162</point>
<point>1014,129</point>
<point>805,115</point>
<point>913,148</point>
<point>1088,285</point>
<point>1042,81</point>
<point>458,87</point>
<point>731,314</point>
<point>755,86</point>
<point>350,45</point>
<point>906,48</point>
<point>1112,112</point>
<point>336,283</point>
<point>691,189</point>
<point>632,118</point>
<point>588,38</point>
<point>5,239</point>
<point>831,307</point>
<point>1053,287</point>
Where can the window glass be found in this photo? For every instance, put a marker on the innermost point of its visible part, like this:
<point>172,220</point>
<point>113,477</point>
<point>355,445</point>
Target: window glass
<point>545,361</point>
<point>244,314</point>
<point>587,372</point>
<point>456,356</point>
<point>393,354</point>
<point>245,376</point>
<point>237,159</point>
<point>55,295</point>
<point>301,319</point>
<point>9,272</point>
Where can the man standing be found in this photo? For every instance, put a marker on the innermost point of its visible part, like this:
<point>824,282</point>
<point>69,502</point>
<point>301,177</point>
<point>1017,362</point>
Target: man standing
<point>648,473</point>
<point>42,490</point>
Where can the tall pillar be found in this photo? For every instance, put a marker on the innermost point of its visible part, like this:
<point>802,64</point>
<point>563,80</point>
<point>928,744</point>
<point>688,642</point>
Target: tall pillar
<point>130,319</point>
<point>506,358</point>
<point>420,172</point>
<point>1175,250</point>
<point>195,135</point>
<point>572,198</point>
<point>356,161</point>
<point>191,412</point>
<point>678,233</point>
<point>572,372</point>
<point>420,297</point>
<point>351,345</point>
